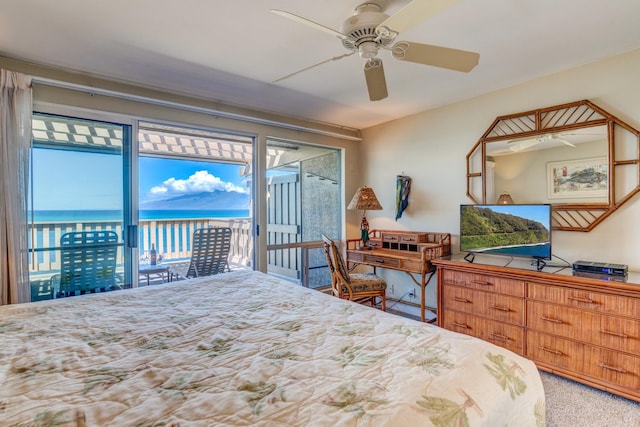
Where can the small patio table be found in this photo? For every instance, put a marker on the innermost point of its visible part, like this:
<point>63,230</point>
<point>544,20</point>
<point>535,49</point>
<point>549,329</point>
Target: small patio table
<point>148,270</point>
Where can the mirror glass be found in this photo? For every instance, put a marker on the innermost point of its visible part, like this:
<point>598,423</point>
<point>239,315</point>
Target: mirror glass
<point>562,167</point>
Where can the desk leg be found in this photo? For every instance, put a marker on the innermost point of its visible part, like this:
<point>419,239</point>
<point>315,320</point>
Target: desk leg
<point>422,297</point>
<point>424,280</point>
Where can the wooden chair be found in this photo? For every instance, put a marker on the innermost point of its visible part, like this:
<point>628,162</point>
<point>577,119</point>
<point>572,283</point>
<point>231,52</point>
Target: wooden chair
<point>359,287</point>
<point>87,263</point>
<point>210,249</point>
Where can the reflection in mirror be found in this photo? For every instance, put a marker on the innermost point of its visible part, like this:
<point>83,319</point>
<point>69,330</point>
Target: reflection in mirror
<point>552,168</point>
<point>576,156</point>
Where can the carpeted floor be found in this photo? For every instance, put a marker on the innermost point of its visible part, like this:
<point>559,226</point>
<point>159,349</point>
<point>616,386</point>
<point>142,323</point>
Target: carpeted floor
<point>570,404</point>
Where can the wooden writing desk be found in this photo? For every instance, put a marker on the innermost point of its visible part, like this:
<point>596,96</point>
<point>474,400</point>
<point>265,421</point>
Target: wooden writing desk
<point>408,251</point>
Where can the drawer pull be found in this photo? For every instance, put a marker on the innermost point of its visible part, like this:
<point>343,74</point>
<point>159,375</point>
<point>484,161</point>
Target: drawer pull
<point>461,325</point>
<point>548,350</point>
<point>481,283</point>
<point>615,334</point>
<point>612,368</point>
<point>549,319</point>
<point>497,307</point>
<point>500,337</point>
<point>464,300</point>
<point>584,300</point>
<point>378,261</point>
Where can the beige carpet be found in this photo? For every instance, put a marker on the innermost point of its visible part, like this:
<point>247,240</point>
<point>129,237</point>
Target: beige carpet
<point>570,404</point>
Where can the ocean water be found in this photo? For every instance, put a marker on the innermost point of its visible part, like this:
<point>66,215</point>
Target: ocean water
<point>541,250</point>
<point>111,215</point>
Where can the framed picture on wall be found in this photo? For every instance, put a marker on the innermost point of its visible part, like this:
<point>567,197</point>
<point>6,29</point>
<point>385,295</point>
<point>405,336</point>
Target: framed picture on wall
<point>572,179</point>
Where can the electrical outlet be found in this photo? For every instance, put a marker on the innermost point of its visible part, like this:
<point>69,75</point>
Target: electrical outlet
<point>412,293</point>
<point>393,291</point>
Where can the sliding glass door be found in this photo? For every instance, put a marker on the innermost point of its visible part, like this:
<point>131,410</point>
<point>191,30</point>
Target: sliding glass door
<point>77,204</point>
<point>303,203</point>
<point>192,178</point>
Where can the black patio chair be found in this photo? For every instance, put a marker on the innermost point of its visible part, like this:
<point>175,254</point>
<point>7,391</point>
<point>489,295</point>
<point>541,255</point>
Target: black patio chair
<point>210,249</point>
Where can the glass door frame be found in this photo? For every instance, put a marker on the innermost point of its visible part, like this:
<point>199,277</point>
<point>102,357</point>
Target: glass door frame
<point>128,170</point>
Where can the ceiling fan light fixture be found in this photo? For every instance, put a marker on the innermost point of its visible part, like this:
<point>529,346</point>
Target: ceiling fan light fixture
<point>368,50</point>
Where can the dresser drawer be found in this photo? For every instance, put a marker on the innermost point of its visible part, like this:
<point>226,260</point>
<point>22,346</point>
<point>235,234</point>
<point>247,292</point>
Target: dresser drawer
<point>556,320</point>
<point>503,308</point>
<point>502,334</point>
<point>588,300</point>
<point>555,351</point>
<point>484,282</point>
<point>613,367</point>
<point>616,333</point>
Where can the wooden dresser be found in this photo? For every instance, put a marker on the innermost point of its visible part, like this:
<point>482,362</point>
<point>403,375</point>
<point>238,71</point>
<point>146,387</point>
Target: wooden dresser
<point>583,328</point>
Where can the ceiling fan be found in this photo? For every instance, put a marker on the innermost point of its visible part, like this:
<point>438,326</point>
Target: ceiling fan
<point>369,30</point>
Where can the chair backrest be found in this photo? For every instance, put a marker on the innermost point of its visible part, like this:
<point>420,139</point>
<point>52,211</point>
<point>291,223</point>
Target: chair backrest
<point>88,261</point>
<point>209,251</point>
<point>332,270</point>
<point>337,266</point>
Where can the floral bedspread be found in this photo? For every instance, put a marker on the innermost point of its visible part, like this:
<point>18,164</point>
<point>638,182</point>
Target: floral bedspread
<point>247,349</point>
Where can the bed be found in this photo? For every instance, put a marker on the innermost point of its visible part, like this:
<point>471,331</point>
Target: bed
<point>248,349</point>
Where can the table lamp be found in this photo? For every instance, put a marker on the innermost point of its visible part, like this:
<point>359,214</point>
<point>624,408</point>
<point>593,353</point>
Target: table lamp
<point>364,200</point>
<point>505,199</point>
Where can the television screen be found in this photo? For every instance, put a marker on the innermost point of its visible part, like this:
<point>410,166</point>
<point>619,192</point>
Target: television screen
<point>511,230</point>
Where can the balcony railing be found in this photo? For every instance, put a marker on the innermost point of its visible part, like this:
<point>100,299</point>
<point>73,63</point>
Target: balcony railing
<point>170,237</point>
<point>172,240</point>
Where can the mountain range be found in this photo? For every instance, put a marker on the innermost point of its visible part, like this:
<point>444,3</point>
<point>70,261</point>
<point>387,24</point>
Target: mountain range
<point>201,201</point>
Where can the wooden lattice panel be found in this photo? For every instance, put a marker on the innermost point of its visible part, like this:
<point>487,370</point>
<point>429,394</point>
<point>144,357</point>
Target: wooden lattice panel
<point>513,126</point>
<point>570,218</point>
<point>575,114</point>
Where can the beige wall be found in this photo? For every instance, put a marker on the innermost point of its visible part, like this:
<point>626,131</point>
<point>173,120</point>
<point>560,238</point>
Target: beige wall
<point>431,148</point>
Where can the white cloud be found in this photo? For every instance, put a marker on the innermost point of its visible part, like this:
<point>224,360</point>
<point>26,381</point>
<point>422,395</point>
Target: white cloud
<point>199,182</point>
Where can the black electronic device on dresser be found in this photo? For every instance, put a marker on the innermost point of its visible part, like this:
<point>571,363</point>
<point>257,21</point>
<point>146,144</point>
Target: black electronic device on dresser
<point>605,268</point>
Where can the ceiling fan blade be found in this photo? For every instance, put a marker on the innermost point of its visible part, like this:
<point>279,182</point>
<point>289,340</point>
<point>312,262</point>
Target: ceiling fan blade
<point>376,82</point>
<point>523,144</point>
<point>437,56</point>
<point>565,142</point>
<point>414,13</point>
<point>335,58</point>
<point>305,21</point>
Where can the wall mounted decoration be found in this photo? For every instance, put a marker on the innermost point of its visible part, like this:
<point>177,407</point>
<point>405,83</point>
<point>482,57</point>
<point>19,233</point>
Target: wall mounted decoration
<point>403,187</point>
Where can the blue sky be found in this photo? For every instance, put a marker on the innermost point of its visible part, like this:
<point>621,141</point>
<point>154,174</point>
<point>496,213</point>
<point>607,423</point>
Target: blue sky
<point>71,180</point>
<point>163,178</point>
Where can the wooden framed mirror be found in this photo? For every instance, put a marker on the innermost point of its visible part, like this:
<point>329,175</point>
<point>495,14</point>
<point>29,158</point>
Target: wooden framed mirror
<point>577,157</point>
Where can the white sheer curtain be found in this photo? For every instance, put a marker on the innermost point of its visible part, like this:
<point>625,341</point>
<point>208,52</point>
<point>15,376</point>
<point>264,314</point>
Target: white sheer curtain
<point>15,140</point>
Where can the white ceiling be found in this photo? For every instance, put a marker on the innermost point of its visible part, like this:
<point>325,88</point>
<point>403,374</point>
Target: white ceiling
<point>231,50</point>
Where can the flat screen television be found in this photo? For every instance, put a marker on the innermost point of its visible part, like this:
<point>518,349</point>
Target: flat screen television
<point>510,230</point>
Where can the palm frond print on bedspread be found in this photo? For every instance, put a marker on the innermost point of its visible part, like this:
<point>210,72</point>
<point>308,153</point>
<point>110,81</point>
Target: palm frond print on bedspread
<point>247,349</point>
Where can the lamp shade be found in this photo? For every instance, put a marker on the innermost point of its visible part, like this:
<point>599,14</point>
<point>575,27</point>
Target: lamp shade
<point>505,199</point>
<point>365,200</point>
